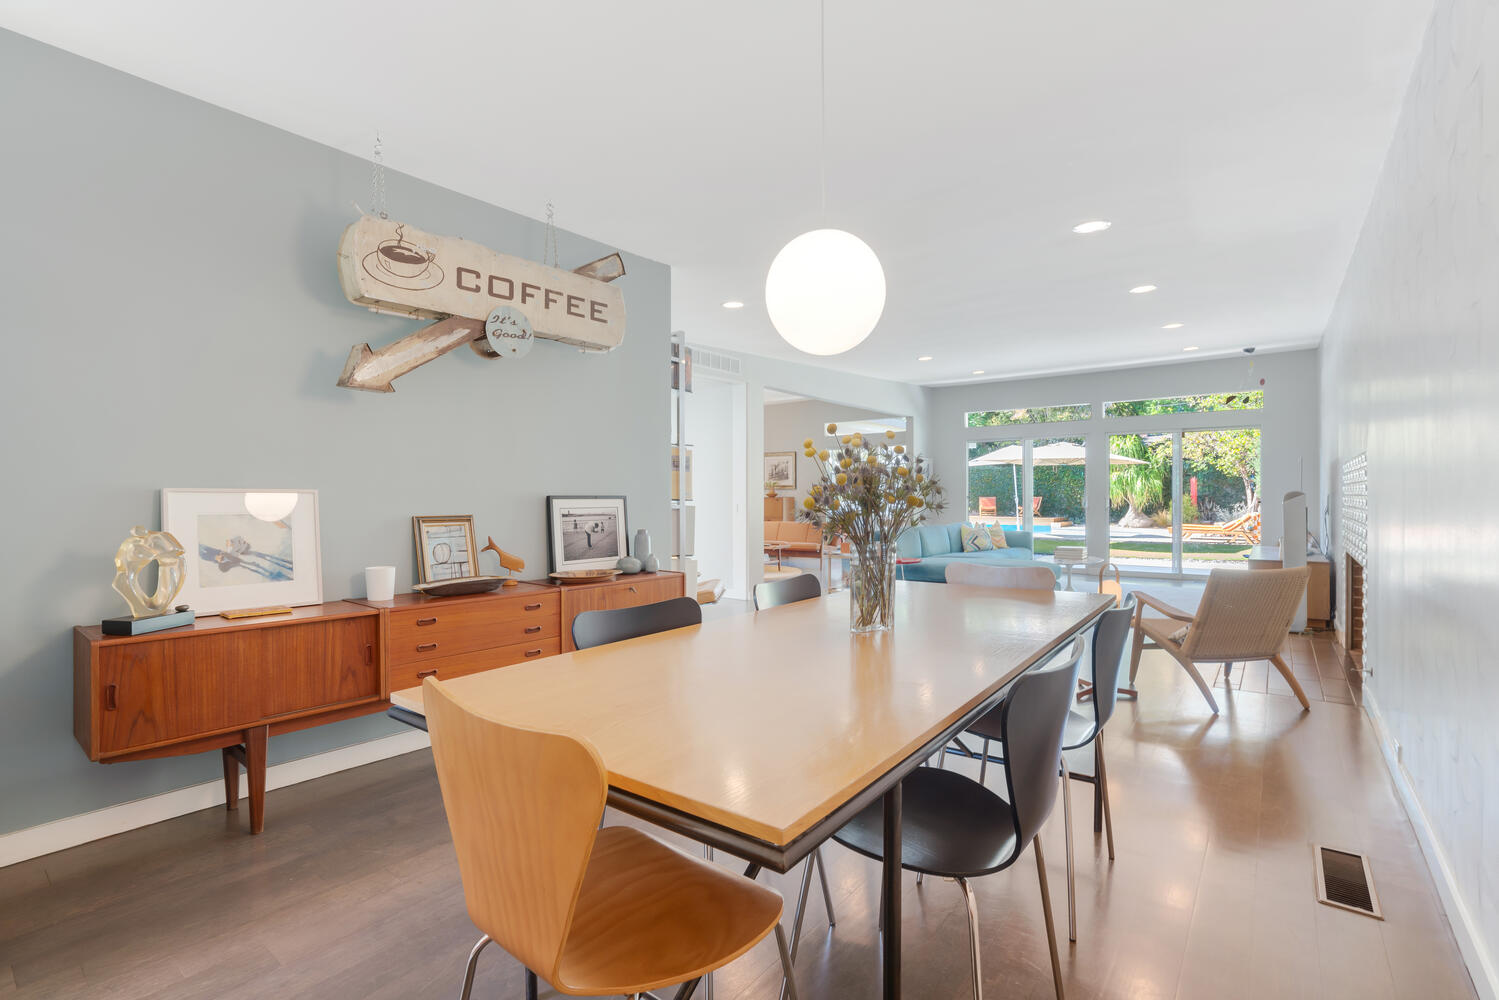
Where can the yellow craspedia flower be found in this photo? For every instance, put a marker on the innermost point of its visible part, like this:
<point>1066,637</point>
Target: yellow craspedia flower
<point>920,478</point>
<point>847,462</point>
<point>841,479</point>
<point>890,498</point>
<point>807,443</point>
<point>816,490</point>
<point>809,503</point>
<point>914,501</point>
<point>901,470</point>
<point>873,459</point>
<point>810,453</point>
<point>846,439</point>
<point>823,454</point>
<point>832,428</point>
<point>900,449</point>
<point>889,435</point>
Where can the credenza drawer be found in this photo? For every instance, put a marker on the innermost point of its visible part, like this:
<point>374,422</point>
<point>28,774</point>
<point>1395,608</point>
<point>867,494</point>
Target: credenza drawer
<point>634,594</point>
<point>421,634</point>
<point>407,675</point>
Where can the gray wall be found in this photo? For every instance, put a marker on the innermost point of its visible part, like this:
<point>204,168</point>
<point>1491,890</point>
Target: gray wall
<point>787,425</point>
<point>1410,376</point>
<point>173,318</point>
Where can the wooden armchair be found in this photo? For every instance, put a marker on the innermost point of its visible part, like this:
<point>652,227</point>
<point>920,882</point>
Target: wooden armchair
<point>1242,616</point>
<point>988,506</point>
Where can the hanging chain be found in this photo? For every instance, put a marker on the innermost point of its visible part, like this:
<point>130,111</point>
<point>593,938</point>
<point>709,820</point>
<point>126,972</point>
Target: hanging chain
<point>549,249</point>
<point>822,92</point>
<point>377,180</point>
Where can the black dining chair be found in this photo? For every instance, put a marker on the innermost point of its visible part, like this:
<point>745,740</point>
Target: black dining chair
<point>775,594</point>
<point>954,827</point>
<point>1084,726</point>
<point>598,628</point>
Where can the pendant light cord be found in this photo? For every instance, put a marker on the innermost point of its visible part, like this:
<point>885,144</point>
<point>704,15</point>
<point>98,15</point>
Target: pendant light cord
<point>822,86</point>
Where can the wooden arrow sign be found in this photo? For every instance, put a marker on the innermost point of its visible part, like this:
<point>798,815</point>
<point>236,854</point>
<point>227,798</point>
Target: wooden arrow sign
<point>391,267</point>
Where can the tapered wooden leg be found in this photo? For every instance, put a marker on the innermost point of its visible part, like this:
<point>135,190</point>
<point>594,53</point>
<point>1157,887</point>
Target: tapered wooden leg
<point>1101,784</point>
<point>1192,672</point>
<point>1051,931</point>
<point>1285,672</point>
<point>255,740</point>
<point>231,780</point>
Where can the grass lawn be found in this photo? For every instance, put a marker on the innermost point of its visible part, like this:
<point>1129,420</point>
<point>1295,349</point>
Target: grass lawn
<point>1215,551</point>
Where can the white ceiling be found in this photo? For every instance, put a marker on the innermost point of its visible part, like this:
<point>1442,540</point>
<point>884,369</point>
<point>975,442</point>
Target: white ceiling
<point>1234,146</point>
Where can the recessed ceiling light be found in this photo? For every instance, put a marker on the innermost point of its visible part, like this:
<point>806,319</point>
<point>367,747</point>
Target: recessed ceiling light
<point>1189,348</point>
<point>733,304</point>
<point>1172,326</point>
<point>1096,226</point>
<point>978,371</point>
<point>925,357</point>
<point>1141,289</point>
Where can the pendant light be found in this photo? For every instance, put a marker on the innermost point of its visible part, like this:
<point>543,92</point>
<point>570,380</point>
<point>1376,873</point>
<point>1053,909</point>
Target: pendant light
<point>825,290</point>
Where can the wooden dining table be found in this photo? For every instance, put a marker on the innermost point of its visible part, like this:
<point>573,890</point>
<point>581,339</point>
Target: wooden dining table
<point>762,734</point>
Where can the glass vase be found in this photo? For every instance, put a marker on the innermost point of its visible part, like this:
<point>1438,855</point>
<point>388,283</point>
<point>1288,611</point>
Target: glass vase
<point>871,586</point>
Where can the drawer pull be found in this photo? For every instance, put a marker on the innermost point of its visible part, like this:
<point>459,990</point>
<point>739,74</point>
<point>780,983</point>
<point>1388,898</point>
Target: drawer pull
<point>533,652</point>
<point>369,654</point>
<point>534,607</point>
<point>110,702</point>
<point>425,647</point>
<point>425,621</point>
<point>424,674</point>
<point>633,590</point>
<point>532,629</point>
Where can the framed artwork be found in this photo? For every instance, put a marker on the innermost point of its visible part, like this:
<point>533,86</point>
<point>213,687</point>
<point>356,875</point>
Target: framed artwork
<point>586,532</point>
<point>681,478</point>
<point>445,547</point>
<point>246,548</point>
<point>780,468</point>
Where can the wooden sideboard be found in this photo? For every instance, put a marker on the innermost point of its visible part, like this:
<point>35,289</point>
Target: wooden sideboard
<point>230,685</point>
<point>225,685</point>
<point>1318,581</point>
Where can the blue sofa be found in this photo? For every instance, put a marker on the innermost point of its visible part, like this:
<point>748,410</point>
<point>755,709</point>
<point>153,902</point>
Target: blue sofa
<point>939,544</point>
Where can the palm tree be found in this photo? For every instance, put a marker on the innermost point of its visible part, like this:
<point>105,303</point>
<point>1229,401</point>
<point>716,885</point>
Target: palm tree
<point>1136,485</point>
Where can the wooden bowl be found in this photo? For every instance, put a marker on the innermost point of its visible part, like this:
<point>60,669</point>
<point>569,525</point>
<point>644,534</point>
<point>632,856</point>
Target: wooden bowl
<point>580,575</point>
<point>460,585</point>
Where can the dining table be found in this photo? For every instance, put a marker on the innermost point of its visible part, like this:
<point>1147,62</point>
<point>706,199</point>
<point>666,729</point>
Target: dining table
<point>762,734</point>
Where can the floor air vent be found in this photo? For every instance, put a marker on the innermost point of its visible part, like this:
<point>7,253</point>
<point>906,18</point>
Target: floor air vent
<point>1343,880</point>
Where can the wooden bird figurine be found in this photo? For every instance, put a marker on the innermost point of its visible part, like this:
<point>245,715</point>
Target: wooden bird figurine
<point>507,561</point>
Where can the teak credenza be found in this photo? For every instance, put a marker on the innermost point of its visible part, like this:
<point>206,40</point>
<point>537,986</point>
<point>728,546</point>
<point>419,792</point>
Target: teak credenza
<point>230,685</point>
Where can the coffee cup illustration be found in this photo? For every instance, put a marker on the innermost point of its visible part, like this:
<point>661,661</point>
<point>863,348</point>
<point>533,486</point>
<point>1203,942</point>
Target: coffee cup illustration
<point>403,264</point>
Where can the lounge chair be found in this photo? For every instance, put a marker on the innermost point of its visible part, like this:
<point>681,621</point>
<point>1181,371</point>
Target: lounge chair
<point>1244,529</point>
<point>988,506</point>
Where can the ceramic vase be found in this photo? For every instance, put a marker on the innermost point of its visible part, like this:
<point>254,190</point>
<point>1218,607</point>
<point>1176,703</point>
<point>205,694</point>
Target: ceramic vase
<point>650,564</point>
<point>642,545</point>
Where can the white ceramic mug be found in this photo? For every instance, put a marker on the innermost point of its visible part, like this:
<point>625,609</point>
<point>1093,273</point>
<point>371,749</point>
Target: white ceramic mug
<point>379,583</point>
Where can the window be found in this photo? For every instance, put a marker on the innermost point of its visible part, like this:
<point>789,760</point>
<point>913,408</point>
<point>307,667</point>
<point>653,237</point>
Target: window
<point>1210,403</point>
<point>1030,415</point>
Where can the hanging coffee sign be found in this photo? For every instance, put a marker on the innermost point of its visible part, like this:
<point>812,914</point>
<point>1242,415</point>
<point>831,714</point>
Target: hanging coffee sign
<point>492,301</point>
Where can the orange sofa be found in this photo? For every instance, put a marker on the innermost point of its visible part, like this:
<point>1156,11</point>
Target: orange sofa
<point>801,539</point>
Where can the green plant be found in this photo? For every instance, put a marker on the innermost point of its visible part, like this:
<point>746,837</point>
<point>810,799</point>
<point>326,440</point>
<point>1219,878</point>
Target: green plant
<point>1137,486</point>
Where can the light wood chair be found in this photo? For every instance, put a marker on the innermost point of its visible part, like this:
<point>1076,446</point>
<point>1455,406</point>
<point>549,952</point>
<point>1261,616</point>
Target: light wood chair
<point>988,506</point>
<point>592,911</point>
<point>1242,616</point>
<point>1012,577</point>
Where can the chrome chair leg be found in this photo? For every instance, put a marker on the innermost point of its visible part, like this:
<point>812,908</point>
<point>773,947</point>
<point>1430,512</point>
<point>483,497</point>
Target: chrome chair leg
<point>786,970</point>
<point>708,979</point>
<point>973,937</point>
<point>1103,787</point>
<point>827,894</point>
<point>473,966</point>
<point>984,760</point>
<point>1067,826</point>
<point>1051,931</point>
<point>796,918</point>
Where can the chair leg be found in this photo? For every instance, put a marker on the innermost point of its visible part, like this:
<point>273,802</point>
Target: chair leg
<point>1192,672</point>
<point>973,937</point>
<point>827,894</point>
<point>1071,878</point>
<point>1285,672</point>
<point>786,970</point>
<point>796,919</point>
<point>1097,791</point>
<point>708,979</point>
<point>473,966</point>
<point>1139,645</point>
<point>984,760</point>
<point>1101,785</point>
<point>1228,672</point>
<point>1051,931</point>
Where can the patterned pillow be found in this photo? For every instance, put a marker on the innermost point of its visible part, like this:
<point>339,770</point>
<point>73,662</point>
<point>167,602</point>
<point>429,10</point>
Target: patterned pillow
<point>975,539</point>
<point>997,536</point>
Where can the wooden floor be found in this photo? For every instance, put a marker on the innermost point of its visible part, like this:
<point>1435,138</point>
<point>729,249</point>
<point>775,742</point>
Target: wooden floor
<point>353,892</point>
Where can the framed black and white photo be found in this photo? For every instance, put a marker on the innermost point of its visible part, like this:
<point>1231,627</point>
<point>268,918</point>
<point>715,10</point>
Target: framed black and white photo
<point>586,532</point>
<point>780,468</point>
<point>445,547</point>
<point>246,548</point>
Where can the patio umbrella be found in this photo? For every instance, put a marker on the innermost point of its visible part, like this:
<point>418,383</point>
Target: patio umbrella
<point>1056,453</point>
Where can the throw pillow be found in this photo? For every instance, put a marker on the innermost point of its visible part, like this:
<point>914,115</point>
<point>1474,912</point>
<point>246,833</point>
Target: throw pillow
<point>975,539</point>
<point>997,536</point>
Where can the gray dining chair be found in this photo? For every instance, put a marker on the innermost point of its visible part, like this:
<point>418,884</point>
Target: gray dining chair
<point>774,593</point>
<point>598,628</point>
<point>954,827</point>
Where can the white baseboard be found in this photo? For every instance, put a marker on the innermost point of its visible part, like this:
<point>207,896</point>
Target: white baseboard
<point>1481,967</point>
<point>71,831</point>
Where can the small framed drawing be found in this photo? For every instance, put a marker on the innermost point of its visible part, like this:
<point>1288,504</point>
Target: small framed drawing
<point>246,548</point>
<point>586,532</point>
<point>445,548</point>
<point>780,468</point>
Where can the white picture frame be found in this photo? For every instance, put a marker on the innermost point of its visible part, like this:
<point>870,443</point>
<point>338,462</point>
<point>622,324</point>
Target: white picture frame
<point>587,532</point>
<point>246,548</point>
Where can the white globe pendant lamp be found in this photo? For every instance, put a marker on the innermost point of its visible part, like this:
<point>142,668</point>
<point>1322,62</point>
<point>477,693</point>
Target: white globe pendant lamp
<point>825,290</point>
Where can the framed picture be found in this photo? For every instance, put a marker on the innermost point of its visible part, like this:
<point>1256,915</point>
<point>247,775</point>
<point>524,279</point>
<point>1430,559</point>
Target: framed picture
<point>681,479</point>
<point>246,548</point>
<point>586,532</point>
<point>445,547</point>
<point>780,468</point>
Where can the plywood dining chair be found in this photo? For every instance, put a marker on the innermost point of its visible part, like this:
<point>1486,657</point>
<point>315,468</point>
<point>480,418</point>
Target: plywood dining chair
<point>1012,577</point>
<point>591,911</point>
<point>954,827</point>
<point>774,593</point>
<point>598,628</point>
<point>1243,615</point>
